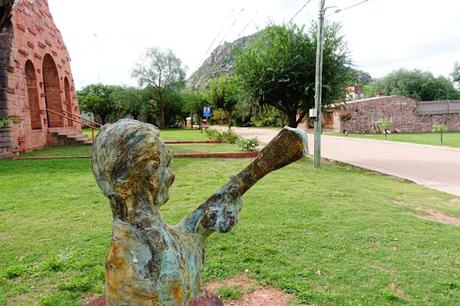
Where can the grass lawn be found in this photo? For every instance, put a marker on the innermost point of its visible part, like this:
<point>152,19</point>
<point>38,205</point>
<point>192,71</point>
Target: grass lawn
<point>451,139</point>
<point>172,134</point>
<point>176,148</point>
<point>336,236</point>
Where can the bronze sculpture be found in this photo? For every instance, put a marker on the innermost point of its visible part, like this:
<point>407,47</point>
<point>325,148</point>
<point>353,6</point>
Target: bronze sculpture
<point>150,262</point>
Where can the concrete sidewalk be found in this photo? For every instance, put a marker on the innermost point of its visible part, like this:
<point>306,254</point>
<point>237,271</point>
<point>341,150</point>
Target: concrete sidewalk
<point>431,166</point>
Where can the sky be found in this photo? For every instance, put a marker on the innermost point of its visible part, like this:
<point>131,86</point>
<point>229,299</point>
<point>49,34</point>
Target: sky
<point>106,38</point>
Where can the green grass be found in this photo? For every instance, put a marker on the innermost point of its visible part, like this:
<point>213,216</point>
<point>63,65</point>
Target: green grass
<point>172,134</point>
<point>336,236</point>
<point>208,148</point>
<point>183,135</point>
<point>59,151</point>
<point>451,139</point>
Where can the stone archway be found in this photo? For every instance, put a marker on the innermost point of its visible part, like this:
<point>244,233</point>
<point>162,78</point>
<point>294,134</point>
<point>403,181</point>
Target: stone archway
<point>52,92</point>
<point>68,102</point>
<point>32,93</point>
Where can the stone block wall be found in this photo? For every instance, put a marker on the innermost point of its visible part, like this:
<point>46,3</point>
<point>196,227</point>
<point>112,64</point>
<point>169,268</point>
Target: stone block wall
<point>366,114</point>
<point>34,68</point>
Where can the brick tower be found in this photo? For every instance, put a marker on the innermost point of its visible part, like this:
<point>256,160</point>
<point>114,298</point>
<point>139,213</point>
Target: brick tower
<point>37,92</point>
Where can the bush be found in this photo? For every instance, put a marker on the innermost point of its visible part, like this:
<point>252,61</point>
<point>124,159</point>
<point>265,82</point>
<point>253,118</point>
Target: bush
<point>249,144</point>
<point>224,136</point>
<point>230,137</point>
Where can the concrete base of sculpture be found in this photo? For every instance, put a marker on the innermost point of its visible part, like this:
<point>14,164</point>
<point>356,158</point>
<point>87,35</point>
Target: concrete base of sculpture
<point>150,262</point>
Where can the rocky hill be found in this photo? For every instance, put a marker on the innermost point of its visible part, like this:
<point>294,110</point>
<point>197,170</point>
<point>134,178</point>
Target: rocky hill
<point>222,58</point>
<point>219,63</point>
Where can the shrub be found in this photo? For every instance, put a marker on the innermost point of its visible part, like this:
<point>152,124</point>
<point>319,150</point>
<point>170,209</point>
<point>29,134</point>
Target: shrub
<point>440,128</point>
<point>249,144</point>
<point>224,136</point>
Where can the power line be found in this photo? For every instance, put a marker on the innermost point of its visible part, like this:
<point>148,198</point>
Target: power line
<point>298,12</point>
<point>218,34</point>
<point>347,8</point>
<point>231,27</point>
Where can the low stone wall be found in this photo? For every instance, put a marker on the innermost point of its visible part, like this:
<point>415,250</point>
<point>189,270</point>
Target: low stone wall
<point>366,114</point>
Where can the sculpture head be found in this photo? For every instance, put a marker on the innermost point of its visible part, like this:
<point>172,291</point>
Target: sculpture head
<point>132,166</point>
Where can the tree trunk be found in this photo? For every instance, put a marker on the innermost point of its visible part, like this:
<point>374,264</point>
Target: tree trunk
<point>191,121</point>
<point>162,111</point>
<point>292,117</point>
<point>229,119</point>
<point>282,119</point>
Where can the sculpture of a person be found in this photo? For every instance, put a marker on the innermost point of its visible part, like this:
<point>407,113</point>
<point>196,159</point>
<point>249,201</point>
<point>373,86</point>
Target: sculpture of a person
<point>150,262</point>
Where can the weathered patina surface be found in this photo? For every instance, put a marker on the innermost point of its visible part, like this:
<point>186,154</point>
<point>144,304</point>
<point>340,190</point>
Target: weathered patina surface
<point>150,262</point>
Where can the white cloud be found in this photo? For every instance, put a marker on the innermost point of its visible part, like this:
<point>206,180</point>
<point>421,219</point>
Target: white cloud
<point>382,35</point>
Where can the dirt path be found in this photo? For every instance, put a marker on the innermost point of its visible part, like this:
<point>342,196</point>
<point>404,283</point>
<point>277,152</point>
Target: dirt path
<point>431,166</point>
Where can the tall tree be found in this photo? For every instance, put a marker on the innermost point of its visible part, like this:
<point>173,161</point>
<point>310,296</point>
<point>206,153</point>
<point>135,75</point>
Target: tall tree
<point>456,74</point>
<point>162,71</point>
<point>131,101</point>
<point>278,69</point>
<point>194,101</point>
<point>223,94</point>
<point>416,84</point>
<point>97,99</point>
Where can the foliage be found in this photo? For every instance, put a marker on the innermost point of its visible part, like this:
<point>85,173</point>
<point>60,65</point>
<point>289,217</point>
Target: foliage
<point>416,84</point>
<point>223,136</point>
<point>278,69</point>
<point>385,125</point>
<point>290,220</point>
<point>97,99</point>
<point>5,121</point>
<point>456,74</point>
<point>440,128</point>
<point>162,71</point>
<point>131,101</point>
<point>230,293</point>
<point>194,101</point>
<point>223,94</point>
<point>249,144</point>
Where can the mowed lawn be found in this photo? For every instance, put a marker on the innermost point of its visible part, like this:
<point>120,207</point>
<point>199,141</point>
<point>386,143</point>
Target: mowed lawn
<point>85,151</point>
<point>451,139</point>
<point>336,236</point>
<point>172,134</point>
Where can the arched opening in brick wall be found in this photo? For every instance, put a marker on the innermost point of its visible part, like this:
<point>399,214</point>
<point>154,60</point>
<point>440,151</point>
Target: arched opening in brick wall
<point>32,93</point>
<point>68,101</point>
<point>52,92</point>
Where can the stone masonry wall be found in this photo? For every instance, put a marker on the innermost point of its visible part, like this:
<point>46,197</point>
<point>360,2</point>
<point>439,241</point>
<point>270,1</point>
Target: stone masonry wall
<point>366,114</point>
<point>6,38</point>
<point>35,38</point>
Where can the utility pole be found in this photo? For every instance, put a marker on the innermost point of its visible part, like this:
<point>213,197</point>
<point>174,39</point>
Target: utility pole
<point>318,85</point>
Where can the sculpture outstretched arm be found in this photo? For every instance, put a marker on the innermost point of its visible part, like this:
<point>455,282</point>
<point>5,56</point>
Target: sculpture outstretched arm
<point>221,211</point>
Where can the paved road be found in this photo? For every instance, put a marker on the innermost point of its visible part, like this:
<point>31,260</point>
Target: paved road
<point>431,166</point>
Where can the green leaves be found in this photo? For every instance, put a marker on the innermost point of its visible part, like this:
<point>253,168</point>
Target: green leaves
<point>278,69</point>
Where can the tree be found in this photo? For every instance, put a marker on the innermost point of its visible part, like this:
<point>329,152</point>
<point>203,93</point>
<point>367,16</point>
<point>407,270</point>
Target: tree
<point>223,94</point>
<point>194,101</point>
<point>456,74</point>
<point>440,128</point>
<point>161,71</point>
<point>97,99</point>
<point>385,125</point>
<point>416,84</point>
<point>278,69</point>
<point>132,101</point>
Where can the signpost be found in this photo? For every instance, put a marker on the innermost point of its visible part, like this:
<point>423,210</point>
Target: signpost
<point>207,112</point>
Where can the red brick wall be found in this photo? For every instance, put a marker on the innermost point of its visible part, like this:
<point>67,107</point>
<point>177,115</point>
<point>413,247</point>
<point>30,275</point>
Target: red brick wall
<point>400,111</point>
<point>35,38</point>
